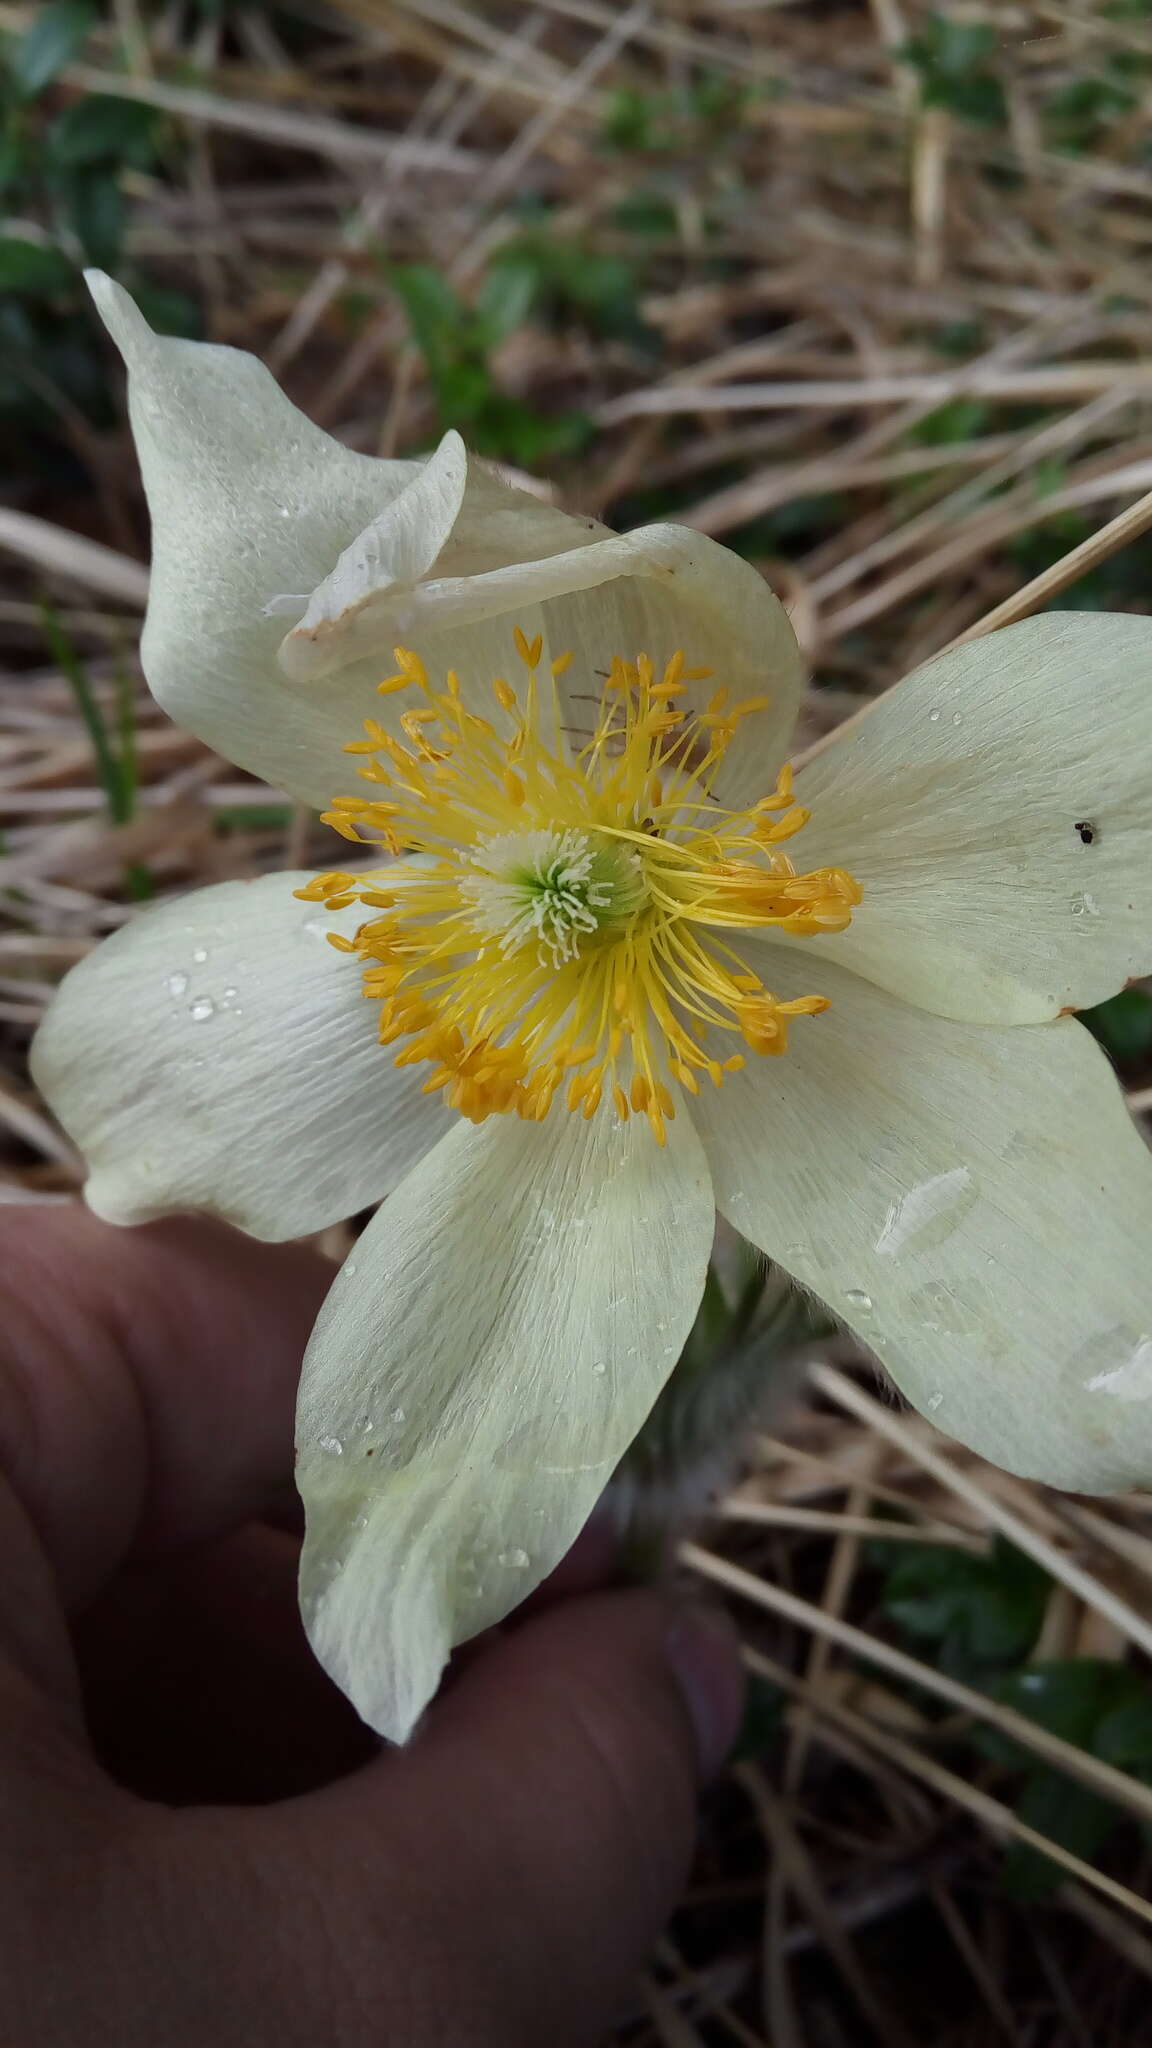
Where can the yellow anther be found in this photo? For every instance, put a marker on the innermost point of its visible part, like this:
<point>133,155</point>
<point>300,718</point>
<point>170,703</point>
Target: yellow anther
<point>341,825</point>
<point>528,650</point>
<point>563,662</point>
<point>411,665</point>
<point>504,694</point>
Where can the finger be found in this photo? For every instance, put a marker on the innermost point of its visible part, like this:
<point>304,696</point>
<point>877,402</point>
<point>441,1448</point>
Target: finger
<point>147,1381</point>
<point>543,1819</point>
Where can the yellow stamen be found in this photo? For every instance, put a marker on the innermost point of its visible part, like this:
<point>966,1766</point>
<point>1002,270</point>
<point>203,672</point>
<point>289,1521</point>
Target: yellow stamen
<point>566,927</point>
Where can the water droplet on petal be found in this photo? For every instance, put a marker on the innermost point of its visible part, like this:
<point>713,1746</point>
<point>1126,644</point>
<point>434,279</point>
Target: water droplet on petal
<point>200,954</point>
<point>600,1368</point>
<point>202,1007</point>
<point>399,1415</point>
<point>177,984</point>
<point>332,1445</point>
<point>934,1401</point>
<point>860,1301</point>
<point>957,719</point>
<point>229,995</point>
<point>349,1267</point>
<point>516,1560</point>
<point>927,1214</point>
<point>934,717</point>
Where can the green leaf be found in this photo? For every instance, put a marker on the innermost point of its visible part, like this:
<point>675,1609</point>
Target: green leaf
<point>632,119</point>
<point>763,1721</point>
<point>435,314</point>
<point>957,420</point>
<point>952,60</point>
<point>1123,1025</point>
<point>169,312</point>
<point>49,44</point>
<point>508,293</point>
<point>1077,1698</point>
<point>35,270</point>
<point>103,129</point>
<point>97,211</point>
<point>981,1611</point>
<point>1070,1815</point>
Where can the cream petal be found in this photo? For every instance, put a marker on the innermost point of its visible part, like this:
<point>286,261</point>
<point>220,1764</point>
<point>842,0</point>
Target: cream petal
<point>217,1054</point>
<point>958,803</point>
<point>489,1352</point>
<point>976,1203</point>
<point>249,501</point>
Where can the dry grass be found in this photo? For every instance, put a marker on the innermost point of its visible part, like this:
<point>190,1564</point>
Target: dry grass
<point>831,264</point>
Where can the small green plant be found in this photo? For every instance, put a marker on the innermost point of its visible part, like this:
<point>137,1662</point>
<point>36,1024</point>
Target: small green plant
<point>960,419</point>
<point>457,341</point>
<point>981,1615</point>
<point>953,60</point>
<point>1104,1709</point>
<point>114,749</point>
<point>1078,116</point>
<point>62,175</point>
<point>706,112</point>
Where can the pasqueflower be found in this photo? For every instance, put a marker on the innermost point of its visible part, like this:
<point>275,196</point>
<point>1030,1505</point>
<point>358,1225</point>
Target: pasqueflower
<point>591,967</point>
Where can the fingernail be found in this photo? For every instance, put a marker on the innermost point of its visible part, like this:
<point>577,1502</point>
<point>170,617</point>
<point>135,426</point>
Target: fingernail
<point>703,1651</point>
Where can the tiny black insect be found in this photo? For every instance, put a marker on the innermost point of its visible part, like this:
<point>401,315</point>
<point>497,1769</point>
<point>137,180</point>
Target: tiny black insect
<point>1086,829</point>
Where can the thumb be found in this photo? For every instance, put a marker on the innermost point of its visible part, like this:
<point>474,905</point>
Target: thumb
<point>548,1807</point>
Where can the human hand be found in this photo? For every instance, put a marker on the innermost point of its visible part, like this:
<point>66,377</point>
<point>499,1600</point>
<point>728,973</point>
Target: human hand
<point>200,1842</point>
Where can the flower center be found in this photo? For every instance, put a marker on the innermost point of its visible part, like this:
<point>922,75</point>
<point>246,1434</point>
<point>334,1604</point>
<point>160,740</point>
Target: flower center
<point>549,889</point>
<point>555,914</point>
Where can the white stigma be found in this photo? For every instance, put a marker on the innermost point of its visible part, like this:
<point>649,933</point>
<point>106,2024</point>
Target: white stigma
<point>547,888</point>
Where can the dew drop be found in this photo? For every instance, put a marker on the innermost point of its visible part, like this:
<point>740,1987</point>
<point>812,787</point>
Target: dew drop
<point>934,718</point>
<point>200,954</point>
<point>933,1402</point>
<point>859,1299</point>
<point>349,1267</point>
<point>516,1560</point>
<point>177,984</point>
<point>600,1368</point>
<point>203,1007</point>
<point>957,719</point>
<point>399,1415</point>
<point>230,995</point>
<point>332,1445</point>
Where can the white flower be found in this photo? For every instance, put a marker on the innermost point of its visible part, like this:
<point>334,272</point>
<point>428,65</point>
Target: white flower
<point>569,958</point>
